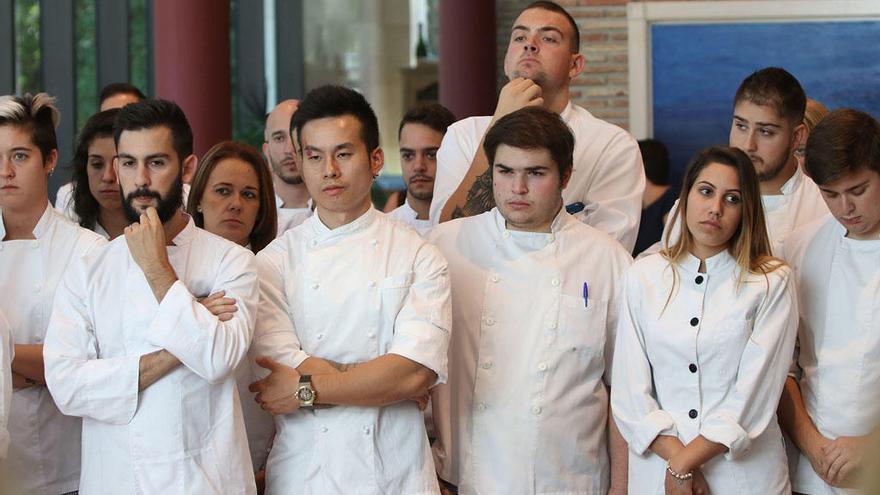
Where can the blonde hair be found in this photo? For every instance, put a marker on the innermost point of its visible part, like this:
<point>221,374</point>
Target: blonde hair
<point>36,114</point>
<point>750,244</point>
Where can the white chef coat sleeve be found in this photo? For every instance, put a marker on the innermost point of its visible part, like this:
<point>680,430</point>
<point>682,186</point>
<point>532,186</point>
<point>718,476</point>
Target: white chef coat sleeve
<point>7,353</point>
<point>620,261</point>
<point>633,399</point>
<point>81,383</point>
<point>421,329</point>
<point>617,188</point>
<point>763,368</point>
<point>275,335</point>
<point>453,163</point>
<point>209,347</point>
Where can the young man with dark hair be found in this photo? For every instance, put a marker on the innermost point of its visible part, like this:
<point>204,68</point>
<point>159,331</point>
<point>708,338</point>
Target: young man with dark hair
<point>291,196</point>
<point>768,115</point>
<point>349,286</point>
<point>130,348</point>
<point>37,245</point>
<point>526,407</point>
<point>420,133</point>
<point>541,61</point>
<point>831,402</point>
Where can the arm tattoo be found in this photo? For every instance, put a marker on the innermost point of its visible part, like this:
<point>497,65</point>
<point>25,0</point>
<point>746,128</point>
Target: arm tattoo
<point>343,367</point>
<point>479,197</point>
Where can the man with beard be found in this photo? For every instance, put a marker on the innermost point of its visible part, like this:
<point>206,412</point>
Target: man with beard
<point>542,59</point>
<point>291,195</point>
<point>131,349</point>
<point>768,115</point>
<point>420,133</point>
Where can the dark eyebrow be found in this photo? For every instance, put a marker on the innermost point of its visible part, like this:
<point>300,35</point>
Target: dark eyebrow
<point>759,124</point>
<point>22,148</point>
<point>520,27</point>
<point>278,133</point>
<point>502,166</point>
<point>847,189</point>
<point>157,155</point>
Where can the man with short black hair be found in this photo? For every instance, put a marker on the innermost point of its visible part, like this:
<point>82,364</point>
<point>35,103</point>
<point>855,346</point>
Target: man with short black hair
<point>768,125</point>
<point>349,286</point>
<point>542,59</point>
<point>130,348</point>
<point>526,407</point>
<point>420,133</point>
<point>119,94</point>
<point>831,402</point>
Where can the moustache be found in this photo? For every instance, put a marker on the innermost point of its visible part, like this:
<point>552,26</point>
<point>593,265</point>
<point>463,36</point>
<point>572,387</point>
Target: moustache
<point>143,192</point>
<point>420,176</point>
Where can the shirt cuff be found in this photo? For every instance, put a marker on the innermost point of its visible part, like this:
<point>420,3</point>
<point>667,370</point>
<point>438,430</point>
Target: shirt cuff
<point>428,351</point>
<point>656,423</point>
<point>119,405</point>
<point>722,429</point>
<point>164,332</point>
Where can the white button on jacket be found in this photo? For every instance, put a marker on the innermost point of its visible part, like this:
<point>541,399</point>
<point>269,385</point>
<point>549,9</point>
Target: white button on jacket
<point>316,300</point>
<point>526,407</point>
<point>44,455</point>
<point>711,362</point>
<point>185,432</point>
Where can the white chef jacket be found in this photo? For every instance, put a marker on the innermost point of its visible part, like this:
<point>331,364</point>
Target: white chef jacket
<point>184,432</point>
<point>799,204</point>
<point>608,176</point>
<point>7,353</point>
<point>64,201</point>
<point>406,214</point>
<point>711,363</point>
<point>839,337</point>
<point>44,451</point>
<point>351,294</point>
<point>527,405</point>
<point>289,218</point>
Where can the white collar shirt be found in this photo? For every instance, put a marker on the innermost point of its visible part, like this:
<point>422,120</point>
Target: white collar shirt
<point>839,337</point>
<point>526,407</point>
<point>708,361</point>
<point>289,218</point>
<point>799,204</point>
<point>44,454</point>
<point>185,431</point>
<point>608,178</point>
<point>7,352</point>
<point>406,214</point>
<point>351,294</point>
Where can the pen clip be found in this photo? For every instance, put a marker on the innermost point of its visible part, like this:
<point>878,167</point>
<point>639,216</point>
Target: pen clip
<point>586,294</point>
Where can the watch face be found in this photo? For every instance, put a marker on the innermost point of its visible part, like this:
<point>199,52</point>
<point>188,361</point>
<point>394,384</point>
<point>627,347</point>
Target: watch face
<point>304,394</point>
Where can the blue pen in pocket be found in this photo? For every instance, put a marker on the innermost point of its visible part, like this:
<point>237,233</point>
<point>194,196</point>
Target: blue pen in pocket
<point>586,294</point>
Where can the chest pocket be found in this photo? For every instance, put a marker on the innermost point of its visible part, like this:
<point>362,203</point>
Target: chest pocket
<point>393,291</point>
<point>723,346</point>
<point>581,328</point>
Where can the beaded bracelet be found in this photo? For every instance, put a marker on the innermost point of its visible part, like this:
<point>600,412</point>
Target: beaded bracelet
<point>681,478</point>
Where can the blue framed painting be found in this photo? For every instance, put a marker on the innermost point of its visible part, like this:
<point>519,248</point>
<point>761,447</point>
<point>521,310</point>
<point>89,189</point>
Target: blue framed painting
<point>696,68</point>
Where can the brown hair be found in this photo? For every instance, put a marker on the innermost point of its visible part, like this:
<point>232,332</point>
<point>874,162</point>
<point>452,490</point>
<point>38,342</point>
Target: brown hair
<point>844,142</point>
<point>750,243</point>
<point>556,8</point>
<point>777,88</point>
<point>266,225</point>
<point>533,128</point>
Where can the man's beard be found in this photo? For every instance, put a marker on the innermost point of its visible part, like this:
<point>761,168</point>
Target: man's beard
<point>166,207</point>
<point>771,172</point>
<point>279,172</point>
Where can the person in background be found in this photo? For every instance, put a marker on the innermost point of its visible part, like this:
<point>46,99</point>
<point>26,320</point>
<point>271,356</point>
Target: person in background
<point>232,196</point>
<point>543,58</point>
<point>37,245</point>
<point>658,197</point>
<point>831,402</point>
<point>113,95</point>
<point>97,204</point>
<point>420,133</point>
<point>526,407</point>
<point>703,329</point>
<point>813,114</point>
<point>291,196</point>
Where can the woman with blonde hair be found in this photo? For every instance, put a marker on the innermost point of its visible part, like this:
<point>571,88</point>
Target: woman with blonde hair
<point>704,343</point>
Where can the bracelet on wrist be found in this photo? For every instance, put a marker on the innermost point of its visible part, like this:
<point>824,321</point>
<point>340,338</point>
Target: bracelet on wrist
<point>681,478</point>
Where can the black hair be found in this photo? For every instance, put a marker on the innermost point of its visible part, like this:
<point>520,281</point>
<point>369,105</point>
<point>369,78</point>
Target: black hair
<point>433,115</point>
<point>656,160</point>
<point>118,88</point>
<point>777,88</point>
<point>148,114</point>
<point>336,101</point>
<point>84,204</point>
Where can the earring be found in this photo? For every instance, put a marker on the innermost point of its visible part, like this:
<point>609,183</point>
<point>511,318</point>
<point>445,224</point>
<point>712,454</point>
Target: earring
<point>199,208</point>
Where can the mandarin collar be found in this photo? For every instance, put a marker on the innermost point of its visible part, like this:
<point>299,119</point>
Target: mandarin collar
<point>42,225</point>
<point>793,182</point>
<point>567,111</point>
<point>530,240</point>
<point>322,232</point>
<point>721,262</point>
<point>186,235</point>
